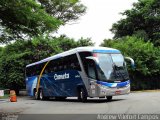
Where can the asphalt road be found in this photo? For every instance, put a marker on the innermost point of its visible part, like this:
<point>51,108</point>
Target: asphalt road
<point>134,103</point>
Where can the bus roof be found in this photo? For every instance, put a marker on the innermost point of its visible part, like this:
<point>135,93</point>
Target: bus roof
<point>78,49</point>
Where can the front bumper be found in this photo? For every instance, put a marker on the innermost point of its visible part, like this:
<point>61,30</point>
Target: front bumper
<point>113,91</point>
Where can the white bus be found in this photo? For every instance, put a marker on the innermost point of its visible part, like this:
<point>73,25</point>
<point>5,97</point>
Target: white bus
<point>81,72</point>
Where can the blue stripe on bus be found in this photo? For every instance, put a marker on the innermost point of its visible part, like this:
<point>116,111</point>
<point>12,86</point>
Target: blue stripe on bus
<point>106,51</point>
<point>119,85</point>
<point>57,83</point>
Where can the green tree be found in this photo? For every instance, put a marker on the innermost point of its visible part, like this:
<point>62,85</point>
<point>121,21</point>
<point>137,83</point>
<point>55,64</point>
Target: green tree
<point>15,56</point>
<point>64,10</point>
<point>24,17</point>
<point>84,42</point>
<point>144,53</point>
<point>144,16</point>
<point>66,43</point>
<point>147,60</point>
<point>29,18</point>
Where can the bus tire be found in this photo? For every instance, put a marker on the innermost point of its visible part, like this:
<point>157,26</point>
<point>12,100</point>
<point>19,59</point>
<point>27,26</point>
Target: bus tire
<point>60,98</point>
<point>46,98</point>
<point>79,94</point>
<point>109,98</point>
<point>41,95</point>
<point>83,95</point>
<point>36,95</point>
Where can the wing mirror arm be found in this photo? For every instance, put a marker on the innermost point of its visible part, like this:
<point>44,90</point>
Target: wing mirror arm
<point>132,62</point>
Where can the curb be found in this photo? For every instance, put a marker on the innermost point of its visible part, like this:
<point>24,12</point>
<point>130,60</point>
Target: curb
<point>4,100</point>
<point>158,90</point>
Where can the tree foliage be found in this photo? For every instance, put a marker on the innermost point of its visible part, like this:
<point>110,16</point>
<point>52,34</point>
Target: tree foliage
<point>24,17</point>
<point>15,56</point>
<point>64,10</point>
<point>144,53</point>
<point>144,16</point>
<point>147,60</point>
<point>29,18</point>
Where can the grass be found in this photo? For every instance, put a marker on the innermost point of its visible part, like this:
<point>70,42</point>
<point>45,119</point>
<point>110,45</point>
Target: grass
<point>5,96</point>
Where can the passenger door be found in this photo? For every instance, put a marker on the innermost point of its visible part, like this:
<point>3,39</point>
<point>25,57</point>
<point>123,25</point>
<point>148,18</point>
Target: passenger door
<point>92,77</point>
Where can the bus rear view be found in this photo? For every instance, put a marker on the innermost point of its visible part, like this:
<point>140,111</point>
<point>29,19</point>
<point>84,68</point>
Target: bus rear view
<point>81,72</point>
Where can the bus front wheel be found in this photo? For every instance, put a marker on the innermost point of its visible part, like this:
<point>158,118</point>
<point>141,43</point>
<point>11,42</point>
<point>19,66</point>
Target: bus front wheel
<point>109,98</point>
<point>82,96</point>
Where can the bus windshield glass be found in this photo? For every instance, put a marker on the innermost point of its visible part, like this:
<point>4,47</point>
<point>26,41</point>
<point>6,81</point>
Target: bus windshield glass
<point>111,67</point>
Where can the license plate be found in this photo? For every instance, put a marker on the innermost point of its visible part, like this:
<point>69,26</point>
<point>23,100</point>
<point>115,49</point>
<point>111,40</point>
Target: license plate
<point>118,92</point>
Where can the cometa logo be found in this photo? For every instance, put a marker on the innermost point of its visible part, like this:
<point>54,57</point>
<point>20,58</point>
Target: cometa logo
<point>63,76</point>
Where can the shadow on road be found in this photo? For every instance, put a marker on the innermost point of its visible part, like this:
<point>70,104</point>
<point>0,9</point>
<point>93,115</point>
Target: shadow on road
<point>90,100</point>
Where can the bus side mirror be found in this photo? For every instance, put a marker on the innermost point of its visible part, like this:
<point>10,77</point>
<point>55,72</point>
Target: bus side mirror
<point>132,62</point>
<point>94,59</point>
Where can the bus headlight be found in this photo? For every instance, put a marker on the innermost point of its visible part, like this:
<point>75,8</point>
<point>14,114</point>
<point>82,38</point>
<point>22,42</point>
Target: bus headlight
<point>127,85</point>
<point>104,87</point>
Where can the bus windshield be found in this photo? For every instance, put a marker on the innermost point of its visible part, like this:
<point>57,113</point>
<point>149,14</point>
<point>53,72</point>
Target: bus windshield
<point>111,67</point>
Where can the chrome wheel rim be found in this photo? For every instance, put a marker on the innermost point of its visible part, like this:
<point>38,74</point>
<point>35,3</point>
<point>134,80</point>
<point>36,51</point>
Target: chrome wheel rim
<point>81,94</point>
<point>35,95</point>
<point>41,96</point>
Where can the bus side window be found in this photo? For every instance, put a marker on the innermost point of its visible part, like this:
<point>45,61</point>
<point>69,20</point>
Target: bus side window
<point>38,69</point>
<point>65,67</point>
<point>65,63</point>
<point>33,71</point>
<point>45,71</point>
<point>72,65</point>
<point>55,68</point>
<point>28,72</point>
<point>60,68</point>
<point>48,68</point>
<point>72,62</point>
<point>77,66</point>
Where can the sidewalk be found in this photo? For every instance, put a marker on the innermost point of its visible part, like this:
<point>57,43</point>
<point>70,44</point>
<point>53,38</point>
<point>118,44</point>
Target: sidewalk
<point>158,90</point>
<point>4,100</point>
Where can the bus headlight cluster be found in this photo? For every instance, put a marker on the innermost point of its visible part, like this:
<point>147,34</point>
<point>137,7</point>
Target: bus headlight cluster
<point>127,85</point>
<point>104,87</point>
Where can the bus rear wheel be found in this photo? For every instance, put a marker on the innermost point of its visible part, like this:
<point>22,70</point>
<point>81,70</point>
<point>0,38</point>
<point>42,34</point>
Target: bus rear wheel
<point>82,95</point>
<point>36,94</point>
<point>41,95</point>
<point>109,98</point>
